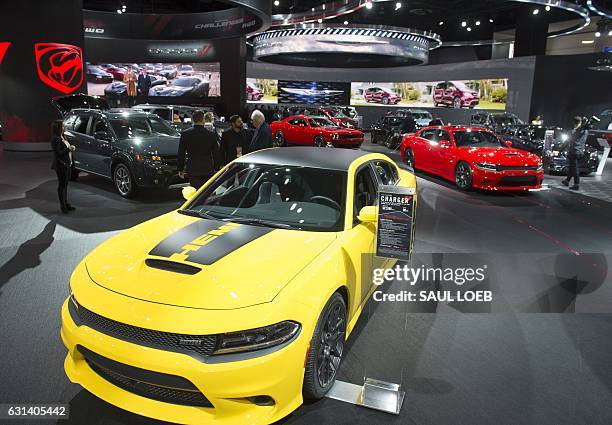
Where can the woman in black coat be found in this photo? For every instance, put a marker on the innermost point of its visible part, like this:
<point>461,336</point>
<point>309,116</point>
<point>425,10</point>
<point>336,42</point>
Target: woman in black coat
<point>62,163</point>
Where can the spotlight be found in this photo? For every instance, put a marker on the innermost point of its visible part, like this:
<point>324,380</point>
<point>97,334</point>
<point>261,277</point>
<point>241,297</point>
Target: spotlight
<point>345,22</point>
<point>441,23</point>
<point>597,34</point>
<point>368,5</point>
<point>469,28</point>
<point>464,24</point>
<point>313,9</point>
<point>491,20</point>
<point>547,8</point>
<point>398,5</point>
<point>119,11</point>
<point>536,11</point>
<point>276,2</point>
<point>610,33</point>
<point>477,23</point>
<point>323,7</point>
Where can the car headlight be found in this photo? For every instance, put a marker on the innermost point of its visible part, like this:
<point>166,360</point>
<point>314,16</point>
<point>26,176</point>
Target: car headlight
<point>486,166</point>
<point>256,339</point>
<point>540,167</point>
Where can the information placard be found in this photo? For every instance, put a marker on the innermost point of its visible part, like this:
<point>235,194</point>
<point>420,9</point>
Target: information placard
<point>394,238</point>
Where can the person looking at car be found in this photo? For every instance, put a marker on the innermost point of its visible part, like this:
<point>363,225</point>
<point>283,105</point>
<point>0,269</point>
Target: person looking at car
<point>575,149</point>
<point>144,82</point>
<point>62,163</point>
<point>176,118</point>
<point>262,136</point>
<point>198,154</point>
<point>234,141</point>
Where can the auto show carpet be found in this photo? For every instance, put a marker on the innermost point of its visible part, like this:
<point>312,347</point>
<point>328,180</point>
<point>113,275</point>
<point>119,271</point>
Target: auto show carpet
<point>538,353</point>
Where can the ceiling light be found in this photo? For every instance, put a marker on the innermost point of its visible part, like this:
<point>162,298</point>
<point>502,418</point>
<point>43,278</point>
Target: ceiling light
<point>547,8</point>
<point>588,41</point>
<point>477,23</point>
<point>469,28</point>
<point>536,11</point>
<point>597,34</point>
<point>313,9</point>
<point>345,22</point>
<point>319,20</point>
<point>119,11</point>
<point>368,5</point>
<point>276,2</point>
<point>398,5</point>
<point>610,33</point>
<point>441,23</point>
<point>491,20</point>
<point>464,24</point>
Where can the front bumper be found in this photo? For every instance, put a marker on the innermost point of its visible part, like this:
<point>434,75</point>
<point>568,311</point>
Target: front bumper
<point>156,175</point>
<point>347,143</point>
<point>470,102</point>
<point>226,385</point>
<point>507,180</point>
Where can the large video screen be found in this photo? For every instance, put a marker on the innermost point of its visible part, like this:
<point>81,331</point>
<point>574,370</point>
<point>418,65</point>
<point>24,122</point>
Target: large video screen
<point>477,94</point>
<point>167,79</point>
<point>313,92</point>
<point>261,90</point>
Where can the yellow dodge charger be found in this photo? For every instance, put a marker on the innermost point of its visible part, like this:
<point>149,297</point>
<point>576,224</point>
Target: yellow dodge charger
<point>235,307</point>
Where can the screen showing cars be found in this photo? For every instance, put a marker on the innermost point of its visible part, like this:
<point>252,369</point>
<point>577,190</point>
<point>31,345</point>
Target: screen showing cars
<point>473,94</point>
<point>261,90</point>
<point>313,92</point>
<point>154,79</point>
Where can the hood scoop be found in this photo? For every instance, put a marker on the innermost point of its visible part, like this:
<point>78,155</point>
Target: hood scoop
<point>172,266</point>
<point>511,154</point>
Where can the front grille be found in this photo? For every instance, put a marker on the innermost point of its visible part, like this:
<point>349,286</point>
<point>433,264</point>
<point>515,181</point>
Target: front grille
<point>349,136</point>
<point>517,168</point>
<point>197,346</point>
<point>136,380</point>
<point>518,181</point>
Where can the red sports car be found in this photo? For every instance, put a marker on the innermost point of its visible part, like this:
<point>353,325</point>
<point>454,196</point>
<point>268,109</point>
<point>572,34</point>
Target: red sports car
<point>472,157</point>
<point>315,131</point>
<point>338,118</point>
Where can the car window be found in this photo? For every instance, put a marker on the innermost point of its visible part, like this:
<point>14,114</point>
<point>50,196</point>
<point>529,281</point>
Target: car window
<point>428,134</point>
<point>387,174</point>
<point>298,197</point>
<point>80,124</point>
<point>365,190</point>
<point>442,135</point>
<point>467,138</point>
<point>164,113</point>
<point>69,121</point>
<point>100,125</point>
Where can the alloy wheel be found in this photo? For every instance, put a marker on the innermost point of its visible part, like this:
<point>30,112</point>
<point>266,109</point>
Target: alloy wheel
<point>409,158</point>
<point>318,142</point>
<point>457,103</point>
<point>463,176</point>
<point>331,345</point>
<point>123,180</point>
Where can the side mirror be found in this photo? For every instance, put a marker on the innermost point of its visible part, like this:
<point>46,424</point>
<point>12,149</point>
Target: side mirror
<point>103,135</point>
<point>188,192</point>
<point>508,143</point>
<point>368,214</point>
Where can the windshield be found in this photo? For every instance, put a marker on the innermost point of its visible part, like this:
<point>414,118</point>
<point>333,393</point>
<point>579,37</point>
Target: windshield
<point>461,85</point>
<point>321,122</point>
<point>476,139</point>
<point>143,126</point>
<point>504,119</point>
<point>184,82</point>
<point>278,196</point>
<point>421,115</point>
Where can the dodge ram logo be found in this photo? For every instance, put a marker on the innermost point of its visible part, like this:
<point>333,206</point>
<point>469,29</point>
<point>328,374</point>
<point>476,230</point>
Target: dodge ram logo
<point>59,66</point>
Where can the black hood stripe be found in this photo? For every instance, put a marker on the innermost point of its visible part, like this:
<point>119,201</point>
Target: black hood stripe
<point>207,241</point>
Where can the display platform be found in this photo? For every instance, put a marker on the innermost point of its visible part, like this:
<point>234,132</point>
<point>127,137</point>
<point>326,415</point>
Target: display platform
<point>537,354</point>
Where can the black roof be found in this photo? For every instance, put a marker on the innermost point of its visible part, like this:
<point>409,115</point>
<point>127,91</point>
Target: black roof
<point>306,156</point>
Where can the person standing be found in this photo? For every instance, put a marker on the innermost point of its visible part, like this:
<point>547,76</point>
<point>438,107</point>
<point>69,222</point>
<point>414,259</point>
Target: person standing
<point>234,141</point>
<point>144,82</point>
<point>198,154</point>
<point>62,163</point>
<point>575,149</point>
<point>262,136</point>
<point>130,85</point>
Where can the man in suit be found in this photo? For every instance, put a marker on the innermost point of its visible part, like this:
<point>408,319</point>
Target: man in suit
<point>234,141</point>
<point>262,137</point>
<point>144,82</point>
<point>200,147</point>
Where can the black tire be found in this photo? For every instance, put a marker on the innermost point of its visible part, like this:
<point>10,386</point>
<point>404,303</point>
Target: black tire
<point>326,349</point>
<point>457,103</point>
<point>374,139</point>
<point>409,158</point>
<point>124,180</point>
<point>279,139</point>
<point>319,142</point>
<point>74,174</point>
<point>249,96</point>
<point>463,176</point>
<point>385,100</point>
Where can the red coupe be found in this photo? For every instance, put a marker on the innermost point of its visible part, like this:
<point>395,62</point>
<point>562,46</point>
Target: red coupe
<point>314,131</point>
<point>472,157</point>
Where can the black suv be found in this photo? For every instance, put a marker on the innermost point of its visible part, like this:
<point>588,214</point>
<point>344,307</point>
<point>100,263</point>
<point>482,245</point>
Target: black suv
<point>185,115</point>
<point>132,148</point>
<point>389,130</point>
<point>496,121</point>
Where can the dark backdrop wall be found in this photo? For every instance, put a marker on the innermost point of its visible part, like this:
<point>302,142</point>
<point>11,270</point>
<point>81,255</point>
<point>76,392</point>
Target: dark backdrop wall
<point>519,71</point>
<point>230,52</point>
<point>25,97</point>
<point>564,87</point>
